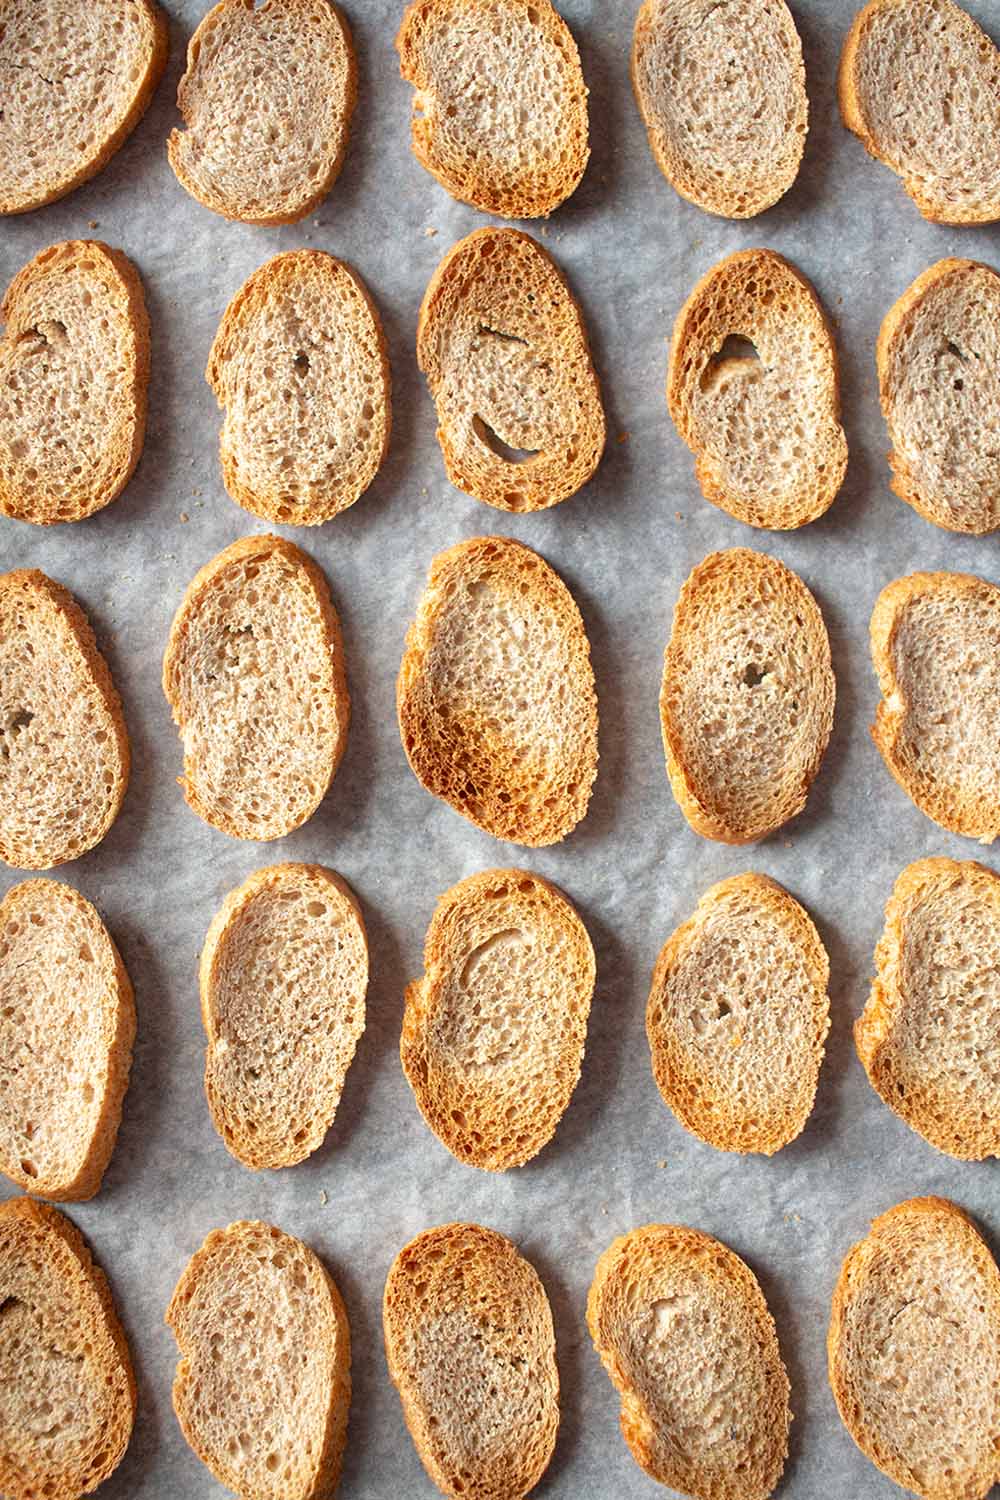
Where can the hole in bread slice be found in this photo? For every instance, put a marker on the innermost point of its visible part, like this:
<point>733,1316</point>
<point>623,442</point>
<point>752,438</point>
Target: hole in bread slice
<point>492,439</point>
<point>735,350</point>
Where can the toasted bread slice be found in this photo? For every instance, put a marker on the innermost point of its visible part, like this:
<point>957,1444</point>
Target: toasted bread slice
<point>685,1334</point>
<point>747,700</point>
<point>754,390</point>
<point>263,1386</point>
<point>266,101</point>
<point>496,700</point>
<point>494,1032</point>
<point>74,368</point>
<point>300,367</point>
<point>914,1350</point>
<point>738,1014</point>
<point>934,648</point>
<point>722,93</point>
<point>920,85</point>
<point>471,1350</point>
<point>502,343</point>
<point>67,1391</point>
<point>64,752</point>
<point>284,972</point>
<point>500,109</point>
<point>939,380</point>
<point>254,674</point>
<point>75,81</point>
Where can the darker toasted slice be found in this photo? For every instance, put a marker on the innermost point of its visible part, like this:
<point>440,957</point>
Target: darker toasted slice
<point>685,1334</point>
<point>914,1351</point>
<point>753,387</point>
<point>747,700</point>
<point>471,1350</point>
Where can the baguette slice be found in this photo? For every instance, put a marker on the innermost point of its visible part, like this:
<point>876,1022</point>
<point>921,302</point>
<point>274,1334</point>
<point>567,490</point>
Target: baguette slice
<point>64,751</point>
<point>266,101</point>
<point>722,93</point>
<point>747,700</point>
<point>67,1391</point>
<point>496,700</point>
<point>300,367</point>
<point>939,380</point>
<point>920,85</point>
<point>75,81</point>
<point>471,1350</point>
<point>737,1017</point>
<point>500,109</point>
<point>74,368</point>
<point>934,643</point>
<point>754,389</point>
<point>263,1386</point>
<point>914,1351</point>
<point>284,971</point>
<point>502,342</point>
<point>684,1332</point>
<point>494,1032</point>
<point>254,674</point>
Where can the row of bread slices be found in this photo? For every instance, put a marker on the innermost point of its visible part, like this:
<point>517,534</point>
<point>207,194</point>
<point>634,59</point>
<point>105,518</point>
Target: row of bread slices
<point>682,1327</point>
<point>500,111</point>
<point>300,368</point>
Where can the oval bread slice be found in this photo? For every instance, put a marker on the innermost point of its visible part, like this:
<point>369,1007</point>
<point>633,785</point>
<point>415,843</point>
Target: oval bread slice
<point>496,701</point>
<point>914,1351</point>
<point>69,1392</point>
<point>747,700</point>
<point>494,1032</point>
<point>266,100</point>
<point>754,389</point>
<point>74,368</point>
<point>254,674</point>
<point>300,367</point>
<point>284,972</point>
<point>64,752</point>
<point>471,1350</point>
<point>500,108</point>
<point>502,342</point>
<point>93,71</point>
<point>939,380</point>
<point>684,1332</point>
<point>738,1014</point>
<point>934,646</point>
<point>919,84</point>
<point>722,93</point>
<point>263,1386</point>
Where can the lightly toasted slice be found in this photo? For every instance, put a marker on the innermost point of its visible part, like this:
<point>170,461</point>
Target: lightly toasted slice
<point>64,751</point>
<point>914,1350</point>
<point>471,1350</point>
<point>266,100</point>
<point>494,1032</point>
<point>500,108</point>
<point>67,1391</point>
<point>939,382</point>
<point>747,700</point>
<point>263,1385</point>
<point>254,675</point>
<point>300,367</point>
<point>738,1014</point>
<point>754,390</point>
<point>684,1332</point>
<point>496,700</point>
<point>934,644</point>
<point>502,342</point>
<point>284,972</point>
<point>74,369</point>
<point>92,72</point>
<point>722,93</point>
<point>919,84</point>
